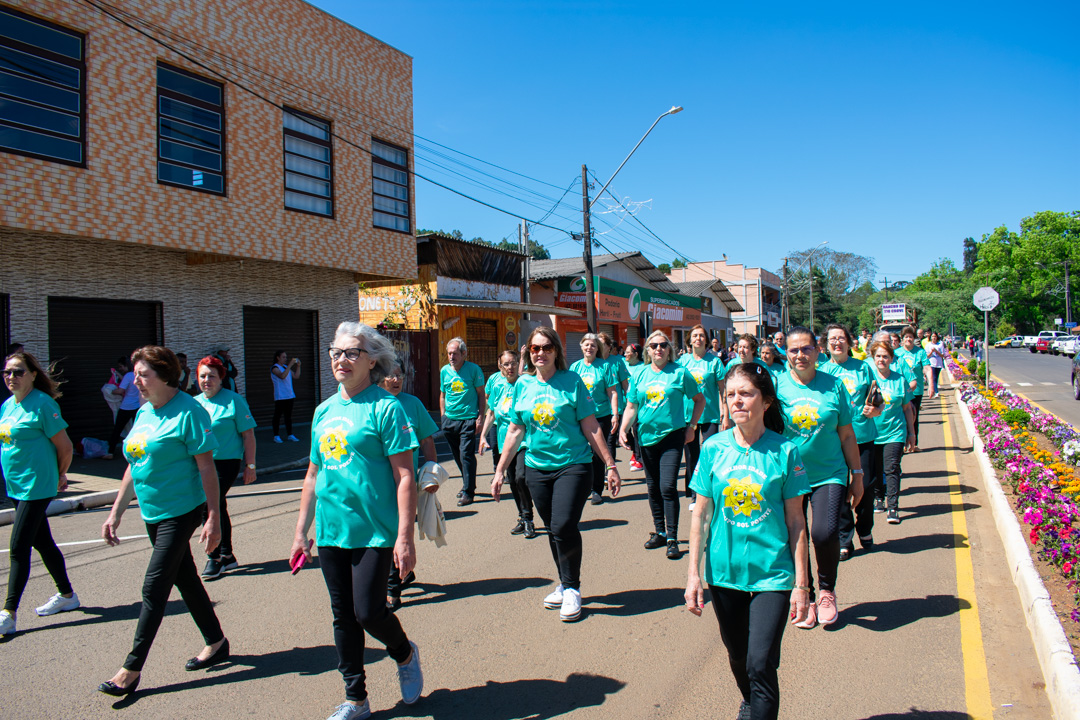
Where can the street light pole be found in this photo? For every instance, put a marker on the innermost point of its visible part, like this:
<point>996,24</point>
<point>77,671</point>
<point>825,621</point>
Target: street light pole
<point>811,259</point>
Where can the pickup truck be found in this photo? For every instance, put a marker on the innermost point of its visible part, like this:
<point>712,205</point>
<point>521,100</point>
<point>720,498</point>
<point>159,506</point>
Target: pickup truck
<point>1030,341</point>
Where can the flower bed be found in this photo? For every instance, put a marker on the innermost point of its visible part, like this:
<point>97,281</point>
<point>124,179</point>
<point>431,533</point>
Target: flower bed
<point>1043,475</point>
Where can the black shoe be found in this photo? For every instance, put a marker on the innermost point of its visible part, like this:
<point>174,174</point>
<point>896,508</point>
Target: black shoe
<point>110,688</point>
<point>879,506</point>
<point>228,562</point>
<point>408,580</point>
<point>218,657</point>
<point>213,569</point>
<point>393,603</point>
<point>519,528</point>
<point>673,552</point>
<point>530,530</point>
<point>893,518</point>
<point>596,498</point>
<point>691,494</point>
<point>867,542</point>
<point>656,540</point>
<point>845,553</point>
<point>464,500</point>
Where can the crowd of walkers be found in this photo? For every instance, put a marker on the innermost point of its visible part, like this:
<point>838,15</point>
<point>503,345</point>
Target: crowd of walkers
<point>784,446</point>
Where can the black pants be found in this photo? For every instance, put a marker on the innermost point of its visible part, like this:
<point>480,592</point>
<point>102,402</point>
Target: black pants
<point>752,626</point>
<point>171,564</point>
<point>862,521</point>
<point>123,417</point>
<point>461,436</point>
<point>916,405</point>
<point>356,580</point>
<point>283,408</point>
<point>599,467</point>
<point>661,463</point>
<point>515,478</point>
<point>31,530</point>
<point>828,503</point>
<point>887,468</point>
<point>693,451</point>
<point>560,497</point>
<point>226,473</point>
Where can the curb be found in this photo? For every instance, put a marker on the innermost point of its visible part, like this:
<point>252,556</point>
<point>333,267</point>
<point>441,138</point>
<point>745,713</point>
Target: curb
<point>108,497</point>
<point>1052,647</point>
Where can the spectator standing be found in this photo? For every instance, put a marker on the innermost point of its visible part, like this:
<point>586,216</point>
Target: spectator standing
<point>463,404</point>
<point>129,406</point>
<point>282,374</point>
<point>221,352</point>
<point>936,355</point>
<point>187,380</point>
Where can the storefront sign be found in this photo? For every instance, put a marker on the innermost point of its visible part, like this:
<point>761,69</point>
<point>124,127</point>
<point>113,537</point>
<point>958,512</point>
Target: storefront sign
<point>618,302</point>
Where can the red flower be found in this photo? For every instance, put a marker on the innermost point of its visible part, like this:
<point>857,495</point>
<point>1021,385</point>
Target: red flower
<point>1034,535</point>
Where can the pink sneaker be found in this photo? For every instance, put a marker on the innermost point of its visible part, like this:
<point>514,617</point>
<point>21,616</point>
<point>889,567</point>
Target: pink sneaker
<point>826,607</point>
<point>811,619</point>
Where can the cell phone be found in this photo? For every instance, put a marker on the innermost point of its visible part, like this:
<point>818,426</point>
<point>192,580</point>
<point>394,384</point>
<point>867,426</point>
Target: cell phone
<point>300,558</point>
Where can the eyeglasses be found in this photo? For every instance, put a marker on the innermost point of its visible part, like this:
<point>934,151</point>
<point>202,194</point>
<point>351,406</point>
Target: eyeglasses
<point>804,350</point>
<point>659,345</point>
<point>17,372</point>
<point>351,354</point>
<point>537,349</point>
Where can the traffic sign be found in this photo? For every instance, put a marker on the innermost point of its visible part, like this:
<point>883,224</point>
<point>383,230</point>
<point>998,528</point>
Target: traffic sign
<point>986,298</point>
<point>1070,325</point>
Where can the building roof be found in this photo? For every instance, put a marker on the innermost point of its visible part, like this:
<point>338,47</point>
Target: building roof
<point>573,266</point>
<point>695,288</point>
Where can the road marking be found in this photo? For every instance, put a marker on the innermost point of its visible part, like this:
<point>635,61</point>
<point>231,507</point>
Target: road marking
<point>91,542</point>
<point>1046,383</point>
<point>976,677</point>
<point>997,379</point>
<point>1024,384</point>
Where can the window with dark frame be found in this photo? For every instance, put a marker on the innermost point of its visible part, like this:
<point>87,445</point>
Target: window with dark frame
<point>191,130</point>
<point>390,186</point>
<point>42,89</point>
<point>309,163</point>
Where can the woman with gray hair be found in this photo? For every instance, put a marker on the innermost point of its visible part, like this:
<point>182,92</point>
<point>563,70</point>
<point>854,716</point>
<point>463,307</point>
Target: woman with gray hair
<point>361,493</point>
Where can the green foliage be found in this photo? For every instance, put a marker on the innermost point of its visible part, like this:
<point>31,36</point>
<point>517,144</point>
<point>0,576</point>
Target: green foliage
<point>1016,417</point>
<point>664,268</point>
<point>980,371</point>
<point>678,263</point>
<point>536,250</point>
<point>972,366</point>
<point>1005,329</point>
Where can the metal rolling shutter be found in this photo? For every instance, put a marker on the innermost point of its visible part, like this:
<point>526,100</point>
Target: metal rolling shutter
<point>86,336</point>
<point>573,347</point>
<point>632,334</point>
<point>482,340</point>
<point>267,330</point>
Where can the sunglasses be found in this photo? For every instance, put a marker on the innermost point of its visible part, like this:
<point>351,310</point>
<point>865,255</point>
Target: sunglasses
<point>660,345</point>
<point>804,350</point>
<point>17,372</point>
<point>351,354</point>
<point>537,349</point>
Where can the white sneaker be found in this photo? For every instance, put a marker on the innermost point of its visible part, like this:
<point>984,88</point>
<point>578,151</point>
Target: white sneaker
<point>58,604</point>
<point>278,440</point>
<point>554,600</point>
<point>7,623</point>
<point>571,605</point>
<point>692,506</point>
<point>348,711</point>
<point>293,438</point>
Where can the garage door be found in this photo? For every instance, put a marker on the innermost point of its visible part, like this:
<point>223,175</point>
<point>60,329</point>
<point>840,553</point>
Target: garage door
<point>86,336</point>
<point>267,330</point>
<point>573,347</point>
<point>632,334</point>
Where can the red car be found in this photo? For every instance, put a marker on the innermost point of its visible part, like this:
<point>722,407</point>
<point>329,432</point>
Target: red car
<point>1043,345</point>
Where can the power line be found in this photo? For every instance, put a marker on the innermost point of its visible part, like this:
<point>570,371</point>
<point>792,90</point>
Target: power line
<point>639,222</point>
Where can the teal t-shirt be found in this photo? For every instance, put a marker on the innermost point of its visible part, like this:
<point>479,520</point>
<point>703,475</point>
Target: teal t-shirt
<point>748,546</point>
<point>708,373</point>
<point>459,389</point>
<point>161,450</point>
<point>620,373</point>
<point>551,413</point>
<point>501,403</point>
<point>598,379</point>
<point>891,424</point>
<point>916,361</point>
<point>660,396</point>
<point>812,414</point>
<point>229,417</point>
<point>495,381</point>
<point>352,440</point>
<point>738,361</point>
<point>27,453</point>
<point>856,378</point>
<point>422,424</point>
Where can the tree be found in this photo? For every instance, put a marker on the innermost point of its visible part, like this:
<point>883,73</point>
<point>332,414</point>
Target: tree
<point>664,268</point>
<point>678,263</point>
<point>536,250</point>
<point>971,255</point>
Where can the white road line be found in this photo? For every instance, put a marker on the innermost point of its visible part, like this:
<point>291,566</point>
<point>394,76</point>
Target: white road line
<point>91,542</point>
<point>1046,383</point>
<point>1024,384</point>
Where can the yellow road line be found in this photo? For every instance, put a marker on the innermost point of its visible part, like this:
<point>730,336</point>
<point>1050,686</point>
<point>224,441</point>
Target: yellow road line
<point>976,678</point>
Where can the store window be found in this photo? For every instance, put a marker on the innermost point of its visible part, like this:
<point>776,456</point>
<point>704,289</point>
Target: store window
<point>191,130</point>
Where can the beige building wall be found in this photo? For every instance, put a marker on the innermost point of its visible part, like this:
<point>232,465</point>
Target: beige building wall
<point>747,284</point>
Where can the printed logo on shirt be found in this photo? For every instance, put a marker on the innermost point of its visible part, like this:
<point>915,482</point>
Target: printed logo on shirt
<point>588,380</point>
<point>457,386</point>
<point>334,445</point>
<point>5,434</point>
<point>910,360</point>
<point>849,383</point>
<point>504,404</point>
<point>743,503</point>
<point>135,445</point>
<point>700,377</point>
<point>543,416</point>
<point>887,397</point>
<point>743,496</point>
<point>805,418</point>
<point>655,394</point>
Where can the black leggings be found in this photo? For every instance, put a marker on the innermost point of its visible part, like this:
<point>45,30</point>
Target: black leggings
<point>559,496</point>
<point>916,405</point>
<point>599,468</point>
<point>123,417</point>
<point>752,626</point>
<point>661,463</point>
<point>356,579</point>
<point>226,473</point>
<point>283,408</point>
<point>693,451</point>
<point>31,530</point>
<point>862,522</point>
<point>828,504</point>
<point>515,478</point>
<point>887,459</point>
<point>171,564</point>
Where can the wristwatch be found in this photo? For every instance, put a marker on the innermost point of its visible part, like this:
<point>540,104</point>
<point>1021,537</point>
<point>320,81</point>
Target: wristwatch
<point>251,466</point>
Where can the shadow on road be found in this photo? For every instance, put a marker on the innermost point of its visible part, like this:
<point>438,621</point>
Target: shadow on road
<point>929,489</point>
<point>892,614</point>
<point>433,592</point>
<point>935,509</point>
<point>916,714</point>
<point>601,524</point>
<point>634,602</point>
<point>917,543</point>
<point>455,514</point>
<point>89,615</point>
<point>532,699</point>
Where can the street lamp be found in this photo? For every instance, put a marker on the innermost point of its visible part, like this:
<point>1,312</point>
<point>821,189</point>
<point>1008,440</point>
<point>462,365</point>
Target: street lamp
<point>586,207</point>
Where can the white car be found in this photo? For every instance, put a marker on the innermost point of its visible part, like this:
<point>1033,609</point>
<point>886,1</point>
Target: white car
<point>1049,335</point>
<point>1067,347</point>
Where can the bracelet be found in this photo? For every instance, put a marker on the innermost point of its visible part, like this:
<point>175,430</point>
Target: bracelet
<point>804,588</point>
<point>611,467</point>
<point>856,472</point>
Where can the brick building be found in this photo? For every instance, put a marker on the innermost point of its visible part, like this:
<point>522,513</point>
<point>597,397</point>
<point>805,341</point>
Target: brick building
<point>196,174</point>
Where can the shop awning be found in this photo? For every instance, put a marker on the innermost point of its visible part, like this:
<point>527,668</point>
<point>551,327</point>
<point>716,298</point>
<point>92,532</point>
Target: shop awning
<point>712,322</point>
<point>506,305</point>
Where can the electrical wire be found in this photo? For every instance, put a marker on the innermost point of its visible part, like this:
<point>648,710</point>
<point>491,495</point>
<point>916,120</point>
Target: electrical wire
<point>638,221</point>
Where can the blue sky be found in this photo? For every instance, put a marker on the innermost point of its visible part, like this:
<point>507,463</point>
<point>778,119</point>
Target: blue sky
<point>892,130</point>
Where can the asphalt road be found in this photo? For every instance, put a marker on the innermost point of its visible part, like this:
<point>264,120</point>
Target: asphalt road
<point>491,652</point>
<point>1043,379</point>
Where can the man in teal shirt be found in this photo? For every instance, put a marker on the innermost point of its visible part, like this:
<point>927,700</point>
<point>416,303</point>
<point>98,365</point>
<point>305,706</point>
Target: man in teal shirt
<point>463,403</point>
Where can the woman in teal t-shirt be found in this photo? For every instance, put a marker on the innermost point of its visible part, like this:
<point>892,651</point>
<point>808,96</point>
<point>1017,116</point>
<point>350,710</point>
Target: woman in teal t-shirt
<point>35,453</point>
<point>858,382</point>
<point>895,427</point>
<point>657,401</point>
<point>500,402</point>
<point>750,530</point>
<point>708,371</point>
<point>170,454</point>
<point>602,386</point>
<point>634,366</point>
<point>817,418</point>
<point>911,354</point>
<point>234,428</point>
<point>552,411</point>
<point>772,360</point>
<point>360,489</point>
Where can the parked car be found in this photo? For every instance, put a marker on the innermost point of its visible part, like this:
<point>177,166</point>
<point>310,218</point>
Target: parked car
<point>1013,341</point>
<point>1043,346</point>
<point>1058,345</point>
<point>1049,335</point>
<point>1076,376</point>
<point>1071,346</point>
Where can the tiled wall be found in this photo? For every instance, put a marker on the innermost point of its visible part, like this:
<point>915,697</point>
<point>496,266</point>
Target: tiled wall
<point>286,50</point>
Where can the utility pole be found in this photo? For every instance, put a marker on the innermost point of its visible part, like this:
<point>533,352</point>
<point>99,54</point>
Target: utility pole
<point>811,293</point>
<point>523,235</point>
<point>886,292</point>
<point>785,319</point>
<point>1068,296</point>
<point>586,241</point>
